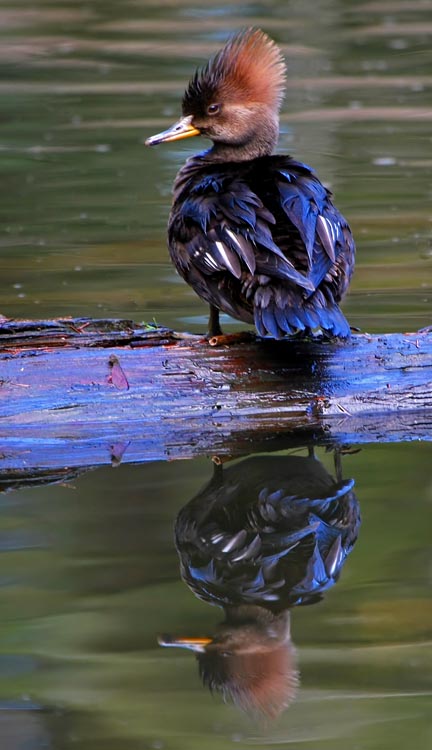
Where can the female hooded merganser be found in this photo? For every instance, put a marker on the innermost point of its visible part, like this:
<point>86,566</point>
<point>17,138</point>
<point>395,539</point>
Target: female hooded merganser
<point>256,235</point>
<point>264,535</point>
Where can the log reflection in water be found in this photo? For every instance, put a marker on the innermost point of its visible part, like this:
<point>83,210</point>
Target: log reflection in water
<point>264,535</point>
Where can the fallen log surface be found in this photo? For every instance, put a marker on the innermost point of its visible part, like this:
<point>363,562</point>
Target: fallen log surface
<point>81,392</point>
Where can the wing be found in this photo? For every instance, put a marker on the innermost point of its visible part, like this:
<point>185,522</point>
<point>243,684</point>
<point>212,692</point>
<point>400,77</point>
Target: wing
<point>223,225</point>
<point>317,240</point>
<point>324,241</point>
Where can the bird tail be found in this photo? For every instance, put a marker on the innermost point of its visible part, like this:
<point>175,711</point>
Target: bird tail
<point>278,313</point>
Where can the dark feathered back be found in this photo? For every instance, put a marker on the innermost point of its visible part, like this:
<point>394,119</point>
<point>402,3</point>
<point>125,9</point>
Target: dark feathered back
<point>273,531</point>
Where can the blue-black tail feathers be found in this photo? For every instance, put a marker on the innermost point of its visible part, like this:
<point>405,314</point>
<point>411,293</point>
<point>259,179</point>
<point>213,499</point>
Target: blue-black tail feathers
<point>316,315</point>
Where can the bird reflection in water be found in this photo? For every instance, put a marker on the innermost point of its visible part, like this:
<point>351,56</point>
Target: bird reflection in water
<point>264,535</point>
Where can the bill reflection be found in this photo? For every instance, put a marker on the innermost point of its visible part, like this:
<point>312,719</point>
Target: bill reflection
<point>264,535</point>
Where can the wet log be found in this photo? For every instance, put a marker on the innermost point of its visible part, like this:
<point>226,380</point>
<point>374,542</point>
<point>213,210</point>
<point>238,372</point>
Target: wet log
<point>80,392</point>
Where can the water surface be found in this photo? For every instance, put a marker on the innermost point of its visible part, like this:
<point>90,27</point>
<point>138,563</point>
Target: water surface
<point>84,204</point>
<point>90,577</point>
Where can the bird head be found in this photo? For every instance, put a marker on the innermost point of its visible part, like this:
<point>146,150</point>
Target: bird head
<point>235,99</point>
<point>250,660</point>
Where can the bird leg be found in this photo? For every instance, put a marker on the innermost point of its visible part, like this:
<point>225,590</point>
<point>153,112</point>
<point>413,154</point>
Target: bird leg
<point>216,337</point>
<point>338,464</point>
<point>214,328</point>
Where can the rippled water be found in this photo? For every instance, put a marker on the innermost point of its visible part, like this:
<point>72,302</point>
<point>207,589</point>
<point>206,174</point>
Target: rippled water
<point>84,204</point>
<point>90,577</point>
<point>89,572</point>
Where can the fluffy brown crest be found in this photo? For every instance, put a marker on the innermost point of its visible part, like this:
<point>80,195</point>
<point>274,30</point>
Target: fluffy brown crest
<point>262,683</point>
<point>250,68</point>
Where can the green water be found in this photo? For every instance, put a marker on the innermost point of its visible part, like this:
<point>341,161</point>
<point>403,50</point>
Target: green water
<point>84,204</point>
<point>89,574</point>
<point>90,577</point>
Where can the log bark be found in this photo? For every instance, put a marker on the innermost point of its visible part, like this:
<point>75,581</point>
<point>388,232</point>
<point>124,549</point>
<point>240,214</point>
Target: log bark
<point>80,392</point>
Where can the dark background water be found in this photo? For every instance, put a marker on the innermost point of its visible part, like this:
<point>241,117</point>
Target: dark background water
<point>90,576</point>
<point>89,573</point>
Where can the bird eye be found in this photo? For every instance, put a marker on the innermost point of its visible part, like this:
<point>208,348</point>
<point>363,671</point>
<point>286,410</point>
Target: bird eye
<point>213,109</point>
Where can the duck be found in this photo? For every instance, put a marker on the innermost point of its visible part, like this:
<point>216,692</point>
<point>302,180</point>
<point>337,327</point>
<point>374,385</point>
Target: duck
<point>264,535</point>
<point>253,232</point>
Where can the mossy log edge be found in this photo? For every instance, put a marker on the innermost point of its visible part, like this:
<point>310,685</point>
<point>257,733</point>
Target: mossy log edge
<point>84,392</point>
